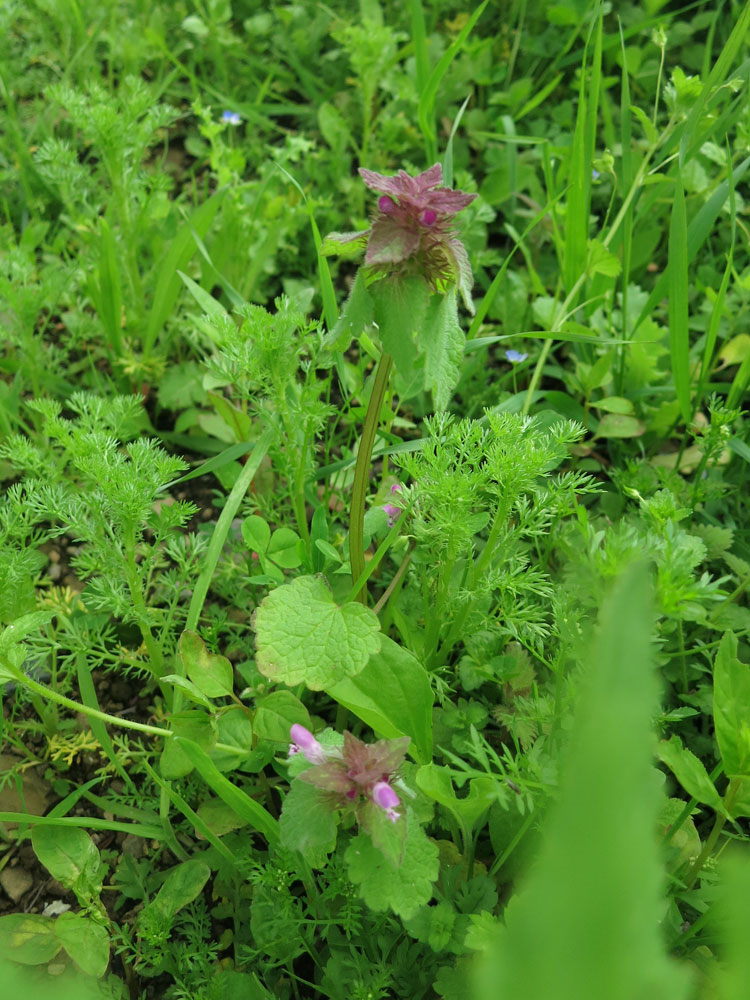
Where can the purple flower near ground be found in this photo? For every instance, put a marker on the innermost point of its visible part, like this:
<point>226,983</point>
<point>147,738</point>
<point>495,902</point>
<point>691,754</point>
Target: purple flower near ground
<point>392,512</point>
<point>515,357</point>
<point>305,743</point>
<point>231,117</point>
<point>355,777</point>
<point>384,796</point>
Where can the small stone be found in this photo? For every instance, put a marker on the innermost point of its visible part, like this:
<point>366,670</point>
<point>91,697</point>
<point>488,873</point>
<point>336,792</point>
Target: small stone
<point>16,882</point>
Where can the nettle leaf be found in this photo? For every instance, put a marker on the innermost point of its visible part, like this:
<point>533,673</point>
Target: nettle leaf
<point>308,824</point>
<point>356,316</point>
<point>383,885</point>
<point>303,637</point>
<point>86,941</point>
<point>400,309</point>
<point>392,695</point>
<point>732,708</point>
<point>211,673</point>
<point>442,340</point>
<point>690,772</point>
<point>344,244</point>
<point>602,261</point>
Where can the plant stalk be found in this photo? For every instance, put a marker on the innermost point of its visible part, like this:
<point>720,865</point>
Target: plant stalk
<point>361,474</point>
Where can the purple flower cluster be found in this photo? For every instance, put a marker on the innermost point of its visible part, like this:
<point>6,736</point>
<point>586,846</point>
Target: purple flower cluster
<point>393,513</point>
<point>357,776</point>
<point>412,230</point>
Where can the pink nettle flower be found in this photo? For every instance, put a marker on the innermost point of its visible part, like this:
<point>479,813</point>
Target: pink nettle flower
<point>384,796</point>
<point>358,775</point>
<point>412,230</point>
<point>305,743</point>
<point>393,513</point>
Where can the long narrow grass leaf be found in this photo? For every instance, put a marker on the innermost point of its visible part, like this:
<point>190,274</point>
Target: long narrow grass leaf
<point>235,798</point>
<point>426,107</point>
<point>585,926</point>
<point>679,334</point>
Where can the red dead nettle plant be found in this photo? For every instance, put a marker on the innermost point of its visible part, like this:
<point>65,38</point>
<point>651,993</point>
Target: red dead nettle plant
<point>405,293</point>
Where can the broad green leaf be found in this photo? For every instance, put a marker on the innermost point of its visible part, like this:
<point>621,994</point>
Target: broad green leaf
<point>235,729</point>
<point>614,404</point>
<point>442,340</point>
<point>184,882</point>
<point>619,425</point>
<point>194,725</point>
<point>436,782</point>
<point>256,533</point>
<point>308,824</point>
<point>602,261</point>
<point>732,708</point>
<point>685,842</point>
<point>283,549</point>
<point>690,772</point>
<point>303,636</point>
<point>188,688</point>
<point>433,925</point>
<point>70,856</point>
<point>28,938</point>
<point>258,817</point>
<point>392,695</point>
<point>211,673</point>
<point>586,920</point>
<point>276,713</point>
<point>219,817</point>
<point>86,941</point>
<point>356,316</point>
<point>400,311</point>
<point>383,885</point>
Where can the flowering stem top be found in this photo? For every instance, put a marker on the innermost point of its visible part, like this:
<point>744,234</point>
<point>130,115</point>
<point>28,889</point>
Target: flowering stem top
<point>412,231</point>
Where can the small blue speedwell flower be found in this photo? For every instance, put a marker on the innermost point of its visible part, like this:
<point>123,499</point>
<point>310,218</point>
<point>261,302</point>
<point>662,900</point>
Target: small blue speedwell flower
<point>231,117</point>
<point>515,357</point>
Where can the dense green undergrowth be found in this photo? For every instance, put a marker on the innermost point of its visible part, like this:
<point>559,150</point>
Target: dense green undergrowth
<point>374,546</point>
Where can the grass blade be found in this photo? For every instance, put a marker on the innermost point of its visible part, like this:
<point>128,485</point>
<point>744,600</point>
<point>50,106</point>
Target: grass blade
<point>235,798</point>
<point>181,249</point>
<point>679,334</point>
<point>697,233</point>
<point>427,95</point>
<point>585,925</point>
